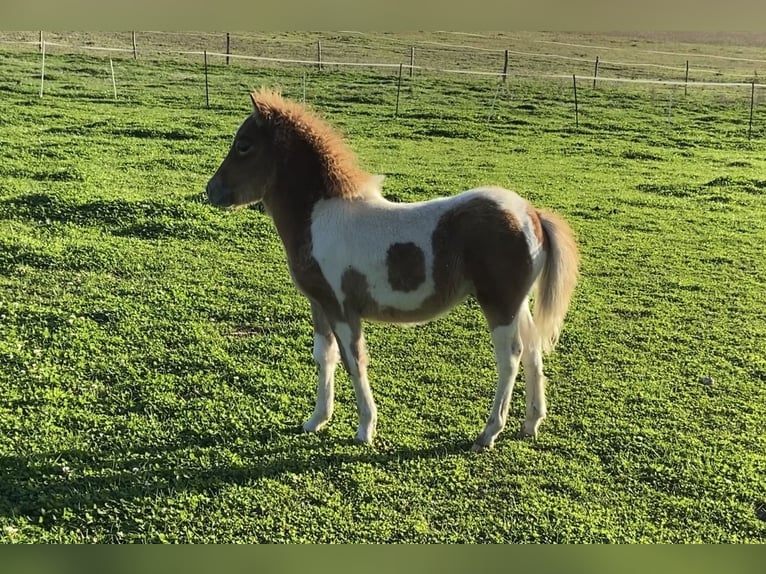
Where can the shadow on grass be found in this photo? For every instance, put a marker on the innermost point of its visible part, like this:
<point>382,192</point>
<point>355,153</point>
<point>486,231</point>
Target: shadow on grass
<point>40,489</point>
<point>145,219</point>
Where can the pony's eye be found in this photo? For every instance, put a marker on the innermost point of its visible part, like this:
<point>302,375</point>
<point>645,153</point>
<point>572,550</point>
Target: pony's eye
<point>242,146</point>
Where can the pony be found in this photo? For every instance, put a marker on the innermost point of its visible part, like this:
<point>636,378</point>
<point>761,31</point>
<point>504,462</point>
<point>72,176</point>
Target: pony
<point>358,256</point>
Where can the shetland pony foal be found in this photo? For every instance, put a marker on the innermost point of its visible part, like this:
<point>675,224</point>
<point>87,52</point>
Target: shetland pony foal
<point>357,256</point>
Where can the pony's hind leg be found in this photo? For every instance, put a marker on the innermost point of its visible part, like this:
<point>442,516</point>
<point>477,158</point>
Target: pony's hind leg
<point>326,356</point>
<point>508,347</point>
<point>532,360</point>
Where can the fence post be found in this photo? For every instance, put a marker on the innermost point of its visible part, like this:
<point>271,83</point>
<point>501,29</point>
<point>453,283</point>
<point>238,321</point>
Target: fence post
<point>114,83</point>
<point>577,112</point>
<point>40,47</point>
<point>595,73</point>
<point>228,47</point>
<point>398,91</point>
<point>412,60</point>
<point>686,78</point>
<point>319,55</point>
<point>42,72</point>
<point>135,53</point>
<point>752,99</point>
<point>207,93</point>
<point>505,68</point>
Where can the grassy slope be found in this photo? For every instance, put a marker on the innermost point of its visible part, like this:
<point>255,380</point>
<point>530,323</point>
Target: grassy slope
<point>156,363</point>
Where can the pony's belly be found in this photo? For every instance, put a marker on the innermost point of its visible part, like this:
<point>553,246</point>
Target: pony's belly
<point>391,310</point>
<point>380,290</point>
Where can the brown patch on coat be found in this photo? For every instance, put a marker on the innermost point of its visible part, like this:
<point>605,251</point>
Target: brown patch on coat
<point>406,265</point>
<point>479,243</point>
<point>357,301</point>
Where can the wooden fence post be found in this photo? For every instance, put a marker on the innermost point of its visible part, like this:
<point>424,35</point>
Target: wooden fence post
<point>319,55</point>
<point>398,91</point>
<point>42,71</point>
<point>577,112</point>
<point>595,72</point>
<point>505,68</point>
<point>40,46</point>
<point>135,53</point>
<point>228,47</point>
<point>686,78</point>
<point>412,60</point>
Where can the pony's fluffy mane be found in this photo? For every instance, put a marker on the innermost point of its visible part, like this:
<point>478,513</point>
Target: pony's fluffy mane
<point>292,121</point>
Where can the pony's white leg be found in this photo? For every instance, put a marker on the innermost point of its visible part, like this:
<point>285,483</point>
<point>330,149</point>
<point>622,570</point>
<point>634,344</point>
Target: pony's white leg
<point>532,359</point>
<point>327,357</point>
<point>508,349</point>
<point>354,355</point>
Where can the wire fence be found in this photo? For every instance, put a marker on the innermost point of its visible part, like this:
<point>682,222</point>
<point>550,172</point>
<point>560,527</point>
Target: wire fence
<point>520,55</point>
<point>477,55</point>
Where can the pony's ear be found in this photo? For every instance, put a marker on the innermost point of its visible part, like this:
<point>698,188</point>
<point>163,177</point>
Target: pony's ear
<point>261,111</point>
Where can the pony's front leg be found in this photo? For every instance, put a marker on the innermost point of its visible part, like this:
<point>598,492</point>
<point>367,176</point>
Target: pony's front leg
<point>327,357</point>
<point>354,355</point>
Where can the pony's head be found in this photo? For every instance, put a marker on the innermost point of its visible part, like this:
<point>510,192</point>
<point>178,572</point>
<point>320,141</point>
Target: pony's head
<point>284,145</point>
<point>248,171</point>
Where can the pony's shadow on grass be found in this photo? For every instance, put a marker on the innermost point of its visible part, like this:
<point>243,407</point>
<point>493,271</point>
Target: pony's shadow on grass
<point>42,207</point>
<point>41,486</point>
<point>143,219</point>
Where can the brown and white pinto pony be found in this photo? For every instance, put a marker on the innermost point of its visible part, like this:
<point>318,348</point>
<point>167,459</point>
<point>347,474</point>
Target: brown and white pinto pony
<point>357,256</point>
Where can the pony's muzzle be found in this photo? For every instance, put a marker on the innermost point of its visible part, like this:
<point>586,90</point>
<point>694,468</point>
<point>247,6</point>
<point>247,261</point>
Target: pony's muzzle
<point>217,194</point>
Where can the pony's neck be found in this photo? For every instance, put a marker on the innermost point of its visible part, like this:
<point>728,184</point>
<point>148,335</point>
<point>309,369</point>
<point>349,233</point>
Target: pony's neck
<point>290,203</point>
<point>299,185</point>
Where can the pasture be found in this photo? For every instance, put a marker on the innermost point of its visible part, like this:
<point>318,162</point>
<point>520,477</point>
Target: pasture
<point>155,361</point>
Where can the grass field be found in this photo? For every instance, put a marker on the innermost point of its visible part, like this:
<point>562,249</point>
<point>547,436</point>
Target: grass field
<point>155,361</point>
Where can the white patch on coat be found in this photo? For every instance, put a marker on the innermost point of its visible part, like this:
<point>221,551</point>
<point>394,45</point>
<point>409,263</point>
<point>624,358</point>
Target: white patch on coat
<point>357,234</point>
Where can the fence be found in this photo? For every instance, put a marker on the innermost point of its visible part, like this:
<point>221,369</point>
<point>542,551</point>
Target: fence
<point>520,55</point>
<point>415,55</point>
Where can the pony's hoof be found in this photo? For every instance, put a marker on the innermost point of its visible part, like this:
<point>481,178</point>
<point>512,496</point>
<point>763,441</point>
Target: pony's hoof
<point>313,425</point>
<point>529,429</point>
<point>481,444</point>
<point>478,447</point>
<point>363,437</point>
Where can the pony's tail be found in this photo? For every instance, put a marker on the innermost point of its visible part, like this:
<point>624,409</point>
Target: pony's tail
<point>557,280</point>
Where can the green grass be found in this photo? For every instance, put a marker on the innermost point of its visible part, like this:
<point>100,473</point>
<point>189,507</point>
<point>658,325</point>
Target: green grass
<point>155,362</point>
